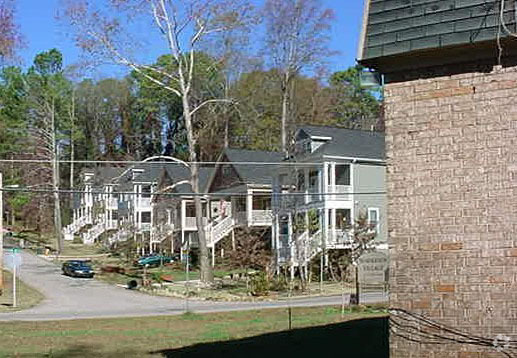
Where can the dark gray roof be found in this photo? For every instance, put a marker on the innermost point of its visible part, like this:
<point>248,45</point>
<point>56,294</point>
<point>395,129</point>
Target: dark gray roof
<point>103,175</point>
<point>153,171</point>
<point>345,143</point>
<point>399,27</point>
<point>243,161</point>
<point>204,176</point>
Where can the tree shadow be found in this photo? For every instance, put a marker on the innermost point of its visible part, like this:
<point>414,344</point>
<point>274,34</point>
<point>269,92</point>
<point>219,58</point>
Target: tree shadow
<point>80,351</point>
<point>363,338</point>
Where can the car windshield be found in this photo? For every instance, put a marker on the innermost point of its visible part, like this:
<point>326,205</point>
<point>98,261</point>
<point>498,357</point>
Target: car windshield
<point>80,264</point>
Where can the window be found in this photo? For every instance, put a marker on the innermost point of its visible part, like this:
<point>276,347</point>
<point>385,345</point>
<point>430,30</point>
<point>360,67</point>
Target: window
<point>313,179</point>
<point>300,181</point>
<point>146,216</point>
<point>342,174</point>
<point>261,202</point>
<point>114,215</point>
<point>227,170</point>
<point>190,211</point>
<point>240,204</point>
<point>146,191</point>
<point>373,218</point>
<point>343,219</point>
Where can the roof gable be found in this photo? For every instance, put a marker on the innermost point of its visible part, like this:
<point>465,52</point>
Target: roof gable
<point>225,175</point>
<point>348,143</point>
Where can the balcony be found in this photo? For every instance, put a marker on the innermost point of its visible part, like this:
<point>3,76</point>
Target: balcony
<point>143,203</point>
<point>261,218</point>
<point>339,192</point>
<point>338,238</point>
<point>190,223</point>
<point>112,203</point>
<point>145,226</point>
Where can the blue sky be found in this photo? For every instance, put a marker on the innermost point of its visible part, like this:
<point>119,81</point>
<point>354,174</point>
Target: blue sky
<point>37,19</point>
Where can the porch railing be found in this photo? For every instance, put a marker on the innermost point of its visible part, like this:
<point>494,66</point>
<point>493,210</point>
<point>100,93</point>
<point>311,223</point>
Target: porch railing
<point>339,192</point>
<point>261,217</point>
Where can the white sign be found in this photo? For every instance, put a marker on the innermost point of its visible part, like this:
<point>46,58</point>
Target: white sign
<point>373,267</point>
<point>13,259</point>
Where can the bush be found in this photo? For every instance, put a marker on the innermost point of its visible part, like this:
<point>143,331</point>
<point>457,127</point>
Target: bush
<point>156,277</point>
<point>259,285</point>
<point>278,284</point>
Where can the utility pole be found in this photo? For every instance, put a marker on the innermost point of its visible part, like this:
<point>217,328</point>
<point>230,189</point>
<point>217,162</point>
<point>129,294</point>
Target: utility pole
<point>1,237</point>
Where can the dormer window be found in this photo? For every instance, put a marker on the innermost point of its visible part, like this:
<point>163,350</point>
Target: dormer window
<point>88,177</point>
<point>136,173</point>
<point>317,141</point>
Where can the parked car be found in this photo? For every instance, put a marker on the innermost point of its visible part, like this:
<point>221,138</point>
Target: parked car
<point>77,268</point>
<point>154,260</point>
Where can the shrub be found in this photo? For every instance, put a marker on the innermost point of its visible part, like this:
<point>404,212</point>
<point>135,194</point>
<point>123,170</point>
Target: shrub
<point>259,285</point>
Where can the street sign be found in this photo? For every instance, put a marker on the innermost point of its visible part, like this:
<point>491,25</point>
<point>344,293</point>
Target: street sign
<point>373,268</point>
<point>13,259</point>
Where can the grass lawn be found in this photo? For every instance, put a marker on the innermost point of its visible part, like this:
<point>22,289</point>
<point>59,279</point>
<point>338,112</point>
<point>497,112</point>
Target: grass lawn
<point>26,295</point>
<point>137,337</point>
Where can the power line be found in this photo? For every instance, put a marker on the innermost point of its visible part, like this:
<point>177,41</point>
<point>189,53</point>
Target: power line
<point>287,163</point>
<point>214,194</point>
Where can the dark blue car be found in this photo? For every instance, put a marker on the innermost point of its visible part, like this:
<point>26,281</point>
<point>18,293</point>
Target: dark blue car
<point>77,268</point>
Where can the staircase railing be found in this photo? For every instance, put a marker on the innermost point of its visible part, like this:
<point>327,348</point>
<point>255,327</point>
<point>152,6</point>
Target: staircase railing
<point>91,235</point>
<point>219,231</point>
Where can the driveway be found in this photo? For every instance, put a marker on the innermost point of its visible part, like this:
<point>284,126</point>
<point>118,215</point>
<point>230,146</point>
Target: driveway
<point>72,298</point>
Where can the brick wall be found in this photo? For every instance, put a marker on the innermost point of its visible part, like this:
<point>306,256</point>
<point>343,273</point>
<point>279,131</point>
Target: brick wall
<point>452,206</point>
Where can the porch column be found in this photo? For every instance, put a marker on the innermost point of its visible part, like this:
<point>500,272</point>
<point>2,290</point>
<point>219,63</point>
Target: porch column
<point>183,214</point>
<point>306,184</point>
<point>324,233</point>
<point>332,223</point>
<point>249,207</point>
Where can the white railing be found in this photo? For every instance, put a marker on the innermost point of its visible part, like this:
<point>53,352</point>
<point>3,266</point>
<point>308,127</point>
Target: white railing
<point>162,232</point>
<point>144,202</point>
<point>112,203</point>
<point>302,249</point>
<point>261,217</point>
<point>190,223</point>
<point>339,238</point>
<point>111,224</point>
<point>313,195</point>
<point>220,230</point>
<point>91,235</point>
<point>339,192</point>
<point>241,218</point>
<point>73,227</point>
<point>145,226</point>
<point>119,236</point>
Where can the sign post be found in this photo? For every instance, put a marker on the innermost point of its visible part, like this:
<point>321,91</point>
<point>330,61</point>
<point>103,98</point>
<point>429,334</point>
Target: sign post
<point>13,261</point>
<point>14,281</point>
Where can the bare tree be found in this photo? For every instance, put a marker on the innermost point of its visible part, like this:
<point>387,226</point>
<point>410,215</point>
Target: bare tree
<point>296,39</point>
<point>47,90</point>
<point>10,38</point>
<point>250,253</point>
<point>182,24</point>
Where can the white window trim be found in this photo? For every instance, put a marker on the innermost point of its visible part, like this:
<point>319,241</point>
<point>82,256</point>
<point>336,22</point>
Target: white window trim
<point>377,211</point>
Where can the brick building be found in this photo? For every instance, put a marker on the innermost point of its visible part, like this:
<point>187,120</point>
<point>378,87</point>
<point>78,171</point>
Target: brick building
<point>450,70</point>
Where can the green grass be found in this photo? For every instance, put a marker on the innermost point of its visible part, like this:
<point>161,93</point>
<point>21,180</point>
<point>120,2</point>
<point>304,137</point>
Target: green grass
<point>136,337</point>
<point>26,295</point>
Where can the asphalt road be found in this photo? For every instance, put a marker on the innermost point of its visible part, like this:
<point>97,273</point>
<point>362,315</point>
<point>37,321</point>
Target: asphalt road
<point>72,298</point>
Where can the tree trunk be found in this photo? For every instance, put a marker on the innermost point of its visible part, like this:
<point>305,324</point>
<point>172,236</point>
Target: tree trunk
<point>204,259</point>
<point>285,110</point>
<point>72,113</point>
<point>55,182</point>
